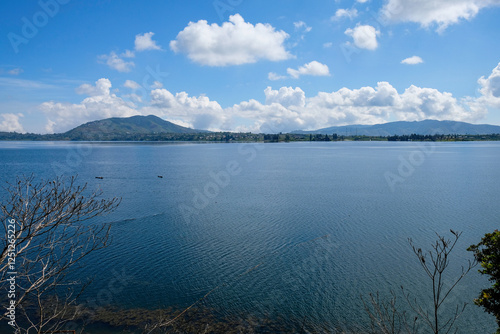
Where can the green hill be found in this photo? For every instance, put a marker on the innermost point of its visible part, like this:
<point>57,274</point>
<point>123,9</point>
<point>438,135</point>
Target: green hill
<point>117,127</point>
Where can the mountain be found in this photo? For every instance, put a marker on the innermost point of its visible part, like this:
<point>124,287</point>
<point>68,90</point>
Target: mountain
<point>121,127</point>
<point>427,127</point>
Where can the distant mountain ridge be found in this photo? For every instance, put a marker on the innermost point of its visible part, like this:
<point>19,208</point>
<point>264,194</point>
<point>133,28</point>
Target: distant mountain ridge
<point>118,126</point>
<point>153,128</point>
<point>426,127</point>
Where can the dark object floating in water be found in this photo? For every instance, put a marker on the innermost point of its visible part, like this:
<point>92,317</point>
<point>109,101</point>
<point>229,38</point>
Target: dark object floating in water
<point>99,177</point>
<point>161,177</point>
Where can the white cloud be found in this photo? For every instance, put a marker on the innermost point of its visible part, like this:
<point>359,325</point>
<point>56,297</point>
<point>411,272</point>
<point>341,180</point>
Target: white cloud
<point>274,76</point>
<point>490,91</point>
<point>131,84</point>
<point>414,60</point>
<point>199,112</point>
<point>427,13</point>
<point>349,13</point>
<point>16,71</point>
<point>99,104</point>
<point>301,24</point>
<point>144,42</point>
<point>102,87</point>
<point>286,96</point>
<point>285,109</point>
<point>11,123</point>
<point>313,68</point>
<point>117,63</point>
<point>327,45</point>
<point>429,103</point>
<point>383,95</point>
<point>234,43</point>
<point>269,118</point>
<point>364,36</point>
<point>491,86</point>
<point>362,1</point>
<point>288,109</point>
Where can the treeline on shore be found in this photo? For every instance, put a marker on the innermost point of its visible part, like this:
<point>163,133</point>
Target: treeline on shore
<point>237,137</point>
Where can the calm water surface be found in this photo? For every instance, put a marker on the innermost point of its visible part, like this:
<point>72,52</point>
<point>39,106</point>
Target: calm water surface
<point>290,230</point>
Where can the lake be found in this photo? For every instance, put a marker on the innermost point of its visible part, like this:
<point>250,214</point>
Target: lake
<point>288,231</point>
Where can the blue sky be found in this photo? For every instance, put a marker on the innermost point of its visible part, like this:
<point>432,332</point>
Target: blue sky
<point>241,65</point>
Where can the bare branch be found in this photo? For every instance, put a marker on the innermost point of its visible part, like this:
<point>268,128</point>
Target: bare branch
<point>51,237</point>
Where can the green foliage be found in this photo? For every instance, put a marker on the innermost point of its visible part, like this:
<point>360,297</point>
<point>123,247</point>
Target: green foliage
<point>487,253</point>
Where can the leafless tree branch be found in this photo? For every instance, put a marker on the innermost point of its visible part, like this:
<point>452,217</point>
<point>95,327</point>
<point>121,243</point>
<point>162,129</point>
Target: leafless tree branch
<point>52,236</point>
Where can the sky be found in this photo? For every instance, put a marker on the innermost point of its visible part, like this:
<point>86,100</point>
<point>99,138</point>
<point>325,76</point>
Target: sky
<point>248,65</point>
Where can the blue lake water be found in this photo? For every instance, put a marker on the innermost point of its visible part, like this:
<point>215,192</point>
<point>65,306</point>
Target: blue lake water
<point>290,230</point>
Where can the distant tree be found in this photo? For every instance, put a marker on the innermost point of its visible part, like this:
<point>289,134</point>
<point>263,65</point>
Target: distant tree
<point>46,236</point>
<point>487,253</point>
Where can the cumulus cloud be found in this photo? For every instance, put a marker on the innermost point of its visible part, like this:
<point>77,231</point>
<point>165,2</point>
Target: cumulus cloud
<point>313,68</point>
<point>102,87</point>
<point>144,42</point>
<point>364,36</point>
<point>285,109</point>
<point>115,62</point>
<point>349,13</point>
<point>234,43</point>
<point>289,109</point>
<point>286,96</point>
<point>414,60</point>
<point>10,123</point>
<point>268,118</point>
<point>99,104</point>
<point>194,111</point>
<point>428,103</point>
<point>490,87</point>
<point>199,112</point>
<point>430,12</point>
<point>490,92</point>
